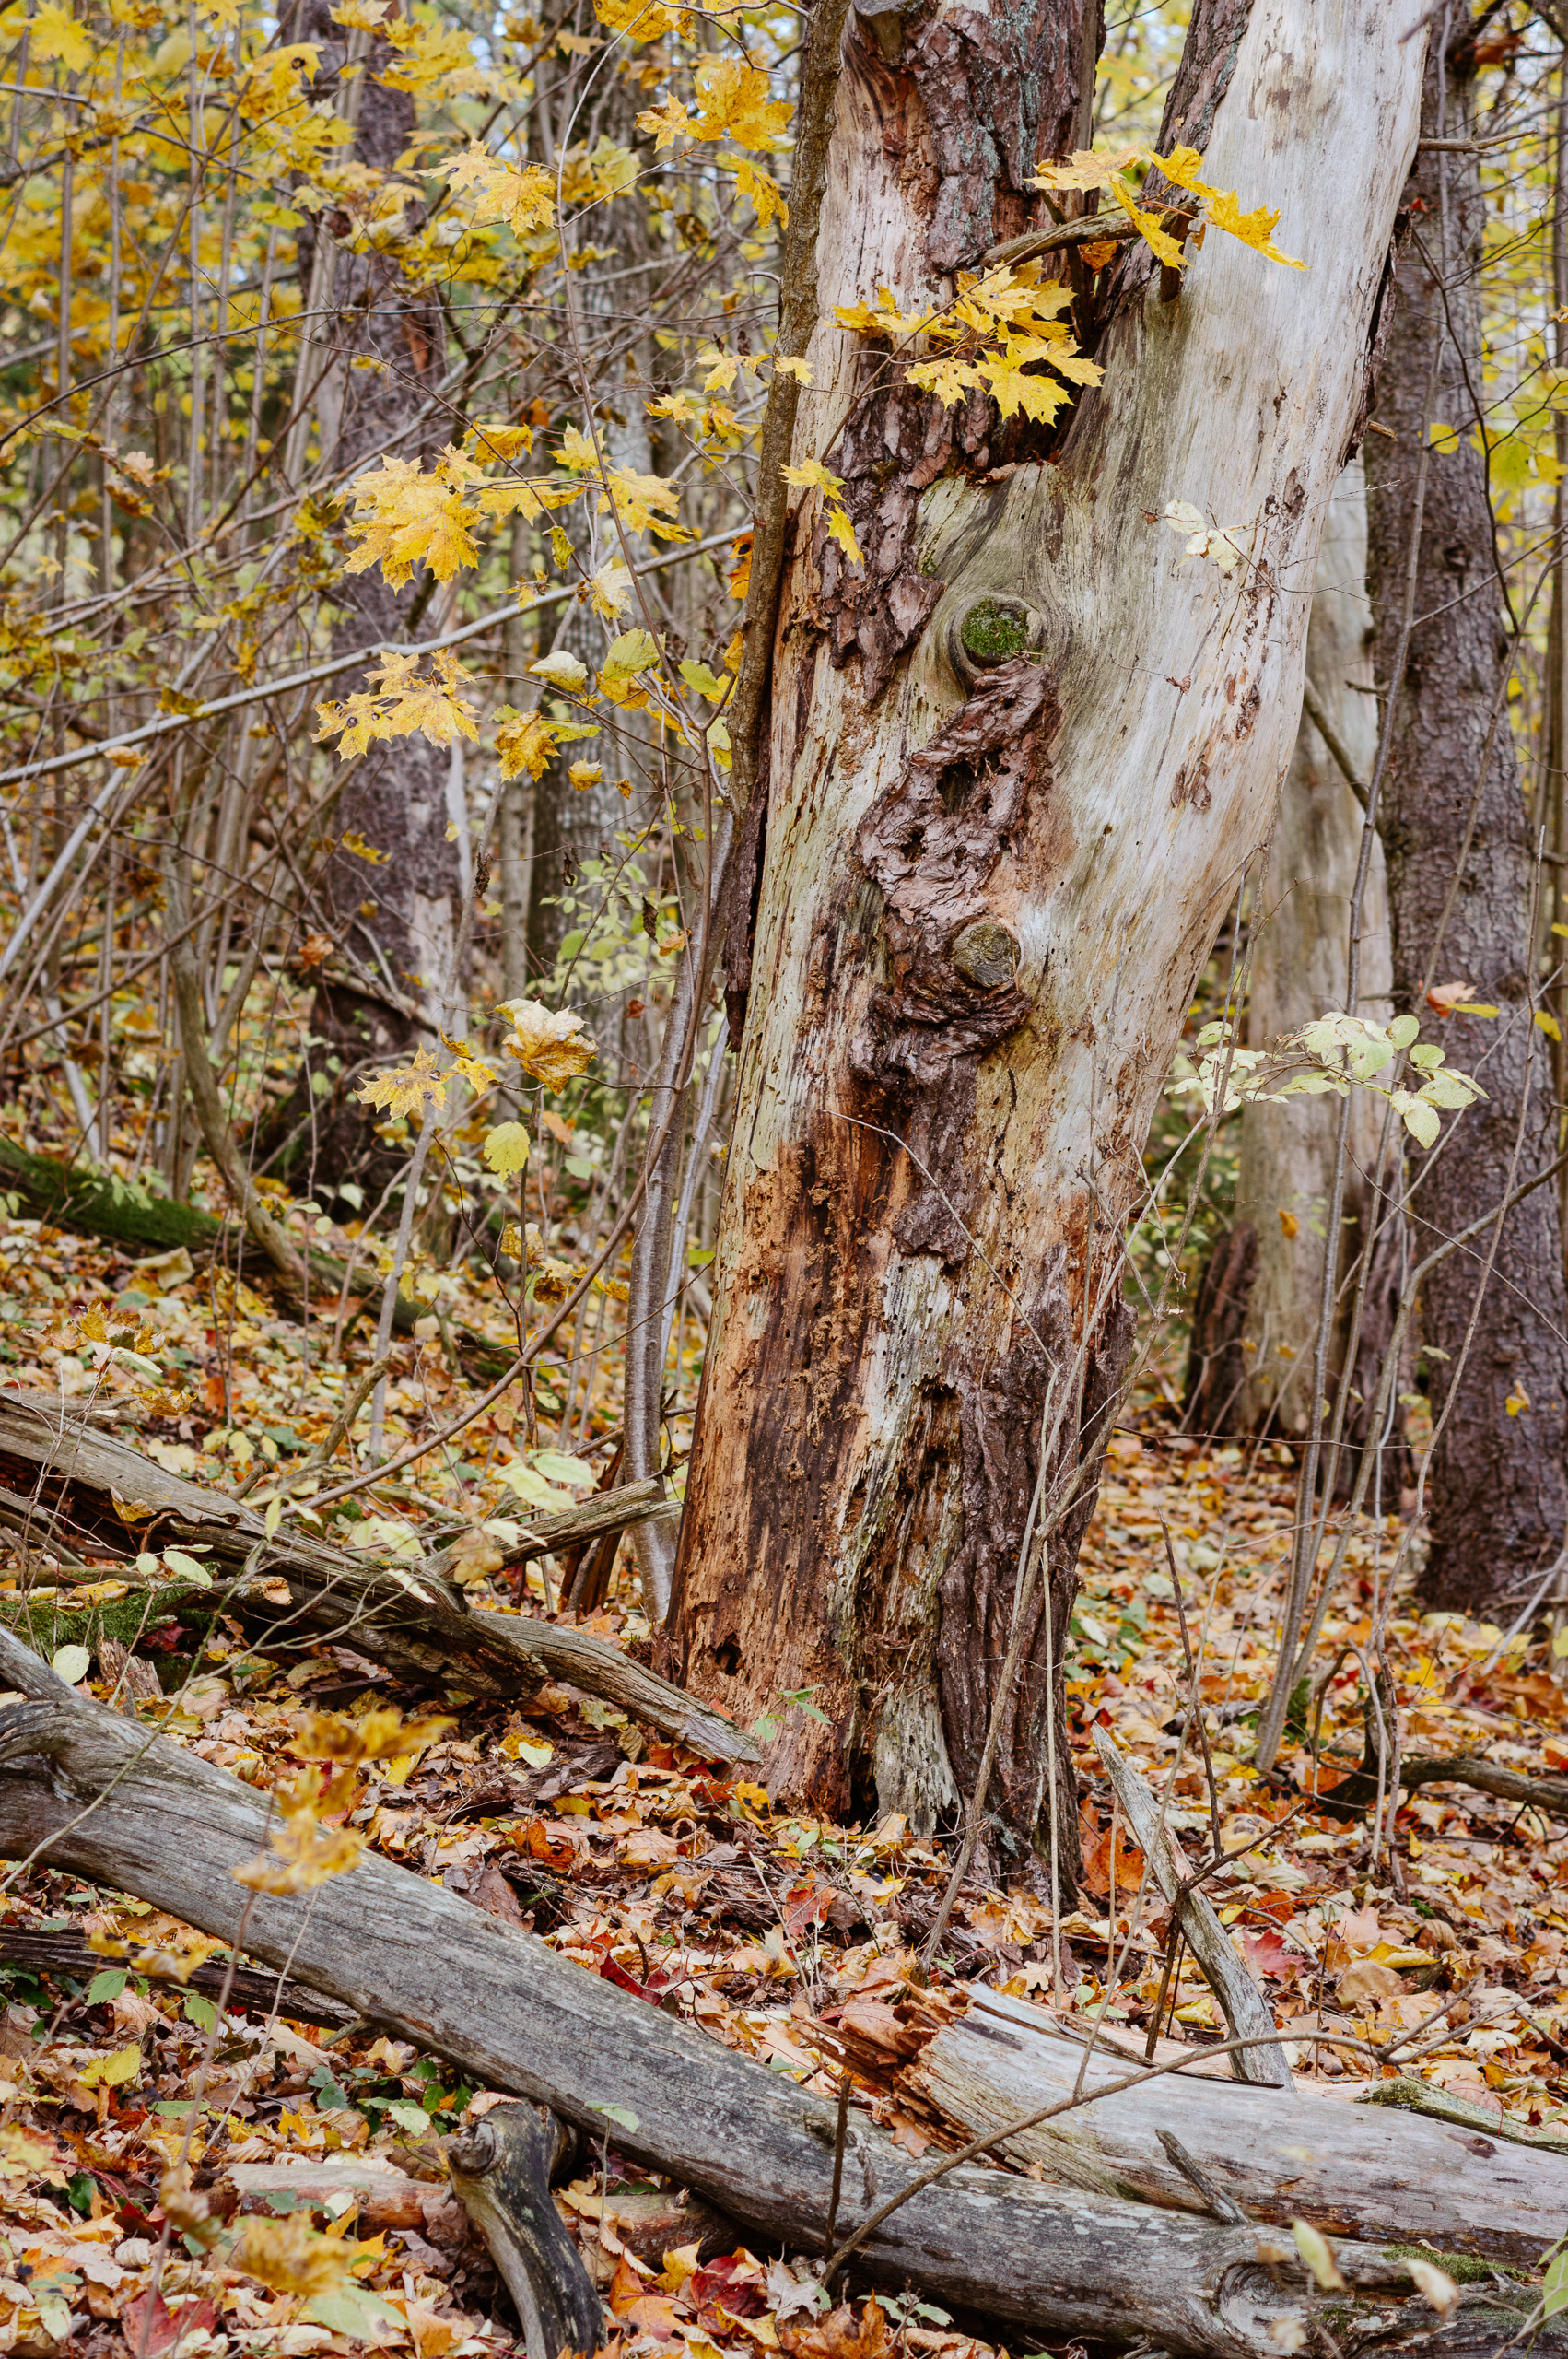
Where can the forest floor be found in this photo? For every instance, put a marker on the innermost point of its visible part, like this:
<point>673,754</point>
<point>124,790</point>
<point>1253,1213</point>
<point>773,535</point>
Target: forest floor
<point>787,1937</point>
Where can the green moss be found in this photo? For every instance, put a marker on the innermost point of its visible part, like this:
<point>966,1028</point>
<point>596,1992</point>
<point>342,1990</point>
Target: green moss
<point>994,631</point>
<point>56,1621</point>
<point>1461,2267</point>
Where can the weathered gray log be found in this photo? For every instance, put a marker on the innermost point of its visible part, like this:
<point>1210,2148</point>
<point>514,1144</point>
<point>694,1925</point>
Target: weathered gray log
<point>405,1614</point>
<point>138,1814</point>
<point>1247,2010</point>
<point>500,2172</point>
<point>1353,2170</point>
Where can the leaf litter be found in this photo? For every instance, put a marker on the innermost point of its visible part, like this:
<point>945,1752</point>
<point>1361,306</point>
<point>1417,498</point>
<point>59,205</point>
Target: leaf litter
<point>181,2181</point>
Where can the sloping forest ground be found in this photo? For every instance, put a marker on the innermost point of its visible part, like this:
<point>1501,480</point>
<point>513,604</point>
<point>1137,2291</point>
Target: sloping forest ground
<point>789,1939</point>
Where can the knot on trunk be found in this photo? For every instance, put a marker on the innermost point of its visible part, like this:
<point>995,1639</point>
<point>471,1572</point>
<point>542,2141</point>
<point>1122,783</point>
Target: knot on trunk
<point>937,846</point>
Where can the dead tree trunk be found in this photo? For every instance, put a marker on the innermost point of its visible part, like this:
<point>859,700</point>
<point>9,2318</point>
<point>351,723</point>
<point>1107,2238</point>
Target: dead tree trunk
<point>988,886</point>
<point>1256,1375</point>
<point>1458,838</point>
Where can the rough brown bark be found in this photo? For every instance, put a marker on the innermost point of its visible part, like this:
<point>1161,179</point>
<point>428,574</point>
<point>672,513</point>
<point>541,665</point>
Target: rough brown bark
<point>1014,769</point>
<point>1455,825</point>
<point>400,910</point>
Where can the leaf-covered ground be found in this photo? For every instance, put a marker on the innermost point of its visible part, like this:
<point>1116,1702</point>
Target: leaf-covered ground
<point>785,1937</point>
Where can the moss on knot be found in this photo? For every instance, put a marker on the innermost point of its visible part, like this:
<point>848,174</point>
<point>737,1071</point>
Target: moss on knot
<point>995,629</point>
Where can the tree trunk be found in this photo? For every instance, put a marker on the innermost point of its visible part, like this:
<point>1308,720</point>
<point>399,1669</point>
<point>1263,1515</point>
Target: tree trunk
<point>368,377</point>
<point>981,921</point>
<point>1457,839</point>
<point>1260,1376</point>
<point>167,1827</point>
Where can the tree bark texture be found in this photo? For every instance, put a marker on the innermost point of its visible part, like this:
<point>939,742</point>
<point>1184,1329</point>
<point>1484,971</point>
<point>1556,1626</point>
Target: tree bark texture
<point>1353,2170</point>
<point>1261,1378</point>
<point>1459,844</point>
<point>368,373</point>
<point>988,886</point>
<point>138,1814</point>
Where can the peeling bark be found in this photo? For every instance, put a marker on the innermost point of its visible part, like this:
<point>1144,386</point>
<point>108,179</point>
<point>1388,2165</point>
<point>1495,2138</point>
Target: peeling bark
<point>938,1138</point>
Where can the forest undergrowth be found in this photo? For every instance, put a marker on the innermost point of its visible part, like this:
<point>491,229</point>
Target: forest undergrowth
<point>689,1888</point>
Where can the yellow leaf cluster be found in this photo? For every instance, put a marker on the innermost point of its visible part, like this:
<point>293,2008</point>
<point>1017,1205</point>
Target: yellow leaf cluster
<point>636,20</point>
<point>290,2257</point>
<point>526,741</point>
<point>811,475</point>
<point>406,517</point>
<point>1088,170</point>
<point>399,704</point>
<point>626,660</point>
<point>304,1852</point>
<point>548,1043</point>
<point>523,201</point>
<point>1001,328</point>
<point>734,103</point>
<point>380,1734</point>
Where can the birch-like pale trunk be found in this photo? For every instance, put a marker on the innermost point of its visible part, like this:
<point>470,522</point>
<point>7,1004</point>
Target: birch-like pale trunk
<point>986,890</point>
<point>1259,1304</point>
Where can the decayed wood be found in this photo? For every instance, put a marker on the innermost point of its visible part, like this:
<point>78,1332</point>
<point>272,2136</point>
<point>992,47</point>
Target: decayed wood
<point>501,2171</point>
<point>1247,2010</point>
<point>403,1613</point>
<point>936,1151</point>
<point>1353,2170</point>
<point>385,2197</point>
<point>66,1951</point>
<point>140,1816</point>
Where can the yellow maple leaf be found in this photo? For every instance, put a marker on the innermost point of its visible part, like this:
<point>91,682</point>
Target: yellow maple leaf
<point>548,1043</point>
<point>734,103</point>
<point>525,741</point>
<point>408,518</point>
<point>763,189</point>
<point>1255,230</point>
<point>644,503</point>
<point>811,475</point>
<point>1011,390</point>
<point>290,2257</point>
<point>636,20</point>
<point>524,201</point>
<point>667,124</point>
<point>399,704</point>
<point>1084,169</point>
<point>380,1736</point>
<point>1159,241</point>
<point>408,1089</point>
<point>582,775</point>
<point>54,33</point>
<point>843,531</point>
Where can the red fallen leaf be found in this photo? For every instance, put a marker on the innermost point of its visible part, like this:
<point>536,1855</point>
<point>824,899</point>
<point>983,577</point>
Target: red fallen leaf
<point>149,2326</point>
<point>1280,1906</point>
<point>805,1907</point>
<point>536,1841</point>
<point>1267,1954</point>
<point>722,2281</point>
<point>625,1982</point>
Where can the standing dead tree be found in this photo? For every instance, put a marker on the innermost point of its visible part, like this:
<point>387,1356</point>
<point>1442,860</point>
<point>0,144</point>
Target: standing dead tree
<point>1017,766</point>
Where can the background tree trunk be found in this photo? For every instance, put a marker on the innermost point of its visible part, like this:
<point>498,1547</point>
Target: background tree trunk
<point>1458,840</point>
<point>981,921</point>
<point>368,375</point>
<point>1257,1374</point>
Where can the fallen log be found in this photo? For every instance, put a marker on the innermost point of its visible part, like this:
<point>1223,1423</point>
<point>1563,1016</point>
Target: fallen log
<point>1352,2170</point>
<point>136,1813</point>
<point>404,1613</point>
<point>63,1951</point>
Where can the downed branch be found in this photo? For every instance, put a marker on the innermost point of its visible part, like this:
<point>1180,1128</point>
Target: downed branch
<point>1247,2010</point>
<point>405,1614</point>
<point>501,2171</point>
<point>1354,2170</point>
<point>136,1813</point>
<point>66,1951</point>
